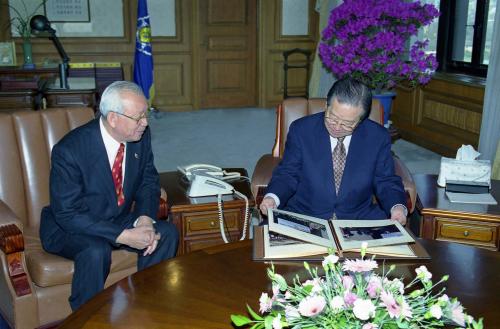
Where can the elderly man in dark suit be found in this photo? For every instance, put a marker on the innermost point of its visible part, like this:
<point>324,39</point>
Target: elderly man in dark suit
<point>335,161</point>
<point>98,171</point>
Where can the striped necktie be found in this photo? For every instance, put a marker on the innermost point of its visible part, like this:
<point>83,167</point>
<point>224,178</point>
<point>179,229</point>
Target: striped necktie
<point>338,157</point>
<point>117,174</point>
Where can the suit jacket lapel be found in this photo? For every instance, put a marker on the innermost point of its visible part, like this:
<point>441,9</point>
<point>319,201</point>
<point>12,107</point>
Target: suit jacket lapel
<point>351,164</point>
<point>131,167</point>
<point>325,164</point>
<point>100,159</point>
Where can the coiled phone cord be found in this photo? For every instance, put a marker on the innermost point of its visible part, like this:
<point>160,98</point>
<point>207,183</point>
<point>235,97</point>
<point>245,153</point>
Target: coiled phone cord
<point>221,216</point>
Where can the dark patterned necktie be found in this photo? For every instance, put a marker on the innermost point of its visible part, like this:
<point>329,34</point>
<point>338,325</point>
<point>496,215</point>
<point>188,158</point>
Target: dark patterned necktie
<point>117,174</point>
<point>338,156</point>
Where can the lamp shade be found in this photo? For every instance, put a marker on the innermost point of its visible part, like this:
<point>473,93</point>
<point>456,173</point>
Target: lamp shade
<point>40,23</point>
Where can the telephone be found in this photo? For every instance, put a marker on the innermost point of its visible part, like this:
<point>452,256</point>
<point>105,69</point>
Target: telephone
<point>204,183</point>
<point>194,169</point>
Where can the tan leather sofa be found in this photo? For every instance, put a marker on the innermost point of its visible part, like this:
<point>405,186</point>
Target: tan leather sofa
<point>295,108</point>
<point>35,285</point>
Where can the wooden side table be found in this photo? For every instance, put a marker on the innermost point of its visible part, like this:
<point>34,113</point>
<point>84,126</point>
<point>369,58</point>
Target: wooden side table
<point>197,219</point>
<point>473,224</point>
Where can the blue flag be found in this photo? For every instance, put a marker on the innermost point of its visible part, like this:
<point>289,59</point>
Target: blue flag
<point>143,62</point>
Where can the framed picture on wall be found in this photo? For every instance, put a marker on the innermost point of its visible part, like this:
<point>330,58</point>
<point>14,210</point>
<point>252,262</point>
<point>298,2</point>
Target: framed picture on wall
<point>67,10</point>
<point>7,53</point>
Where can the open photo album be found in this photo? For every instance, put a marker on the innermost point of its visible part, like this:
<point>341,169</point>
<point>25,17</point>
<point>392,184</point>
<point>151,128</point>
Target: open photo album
<point>292,235</point>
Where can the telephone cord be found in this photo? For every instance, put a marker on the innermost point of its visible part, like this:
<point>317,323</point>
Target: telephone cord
<point>221,216</point>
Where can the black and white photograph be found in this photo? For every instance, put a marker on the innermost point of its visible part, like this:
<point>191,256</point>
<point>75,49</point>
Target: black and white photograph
<point>370,233</point>
<point>302,227</point>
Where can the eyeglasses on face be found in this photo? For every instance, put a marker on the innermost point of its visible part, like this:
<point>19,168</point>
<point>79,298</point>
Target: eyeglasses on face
<point>144,115</point>
<point>332,120</point>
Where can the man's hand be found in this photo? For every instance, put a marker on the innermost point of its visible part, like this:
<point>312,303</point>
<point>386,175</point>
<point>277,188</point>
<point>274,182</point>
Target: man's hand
<point>144,221</point>
<point>267,203</point>
<point>398,213</point>
<point>139,237</point>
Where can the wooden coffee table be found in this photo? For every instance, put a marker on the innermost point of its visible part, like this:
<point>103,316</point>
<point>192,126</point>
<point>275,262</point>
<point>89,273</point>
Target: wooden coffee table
<point>202,289</point>
<point>197,219</point>
<point>473,224</point>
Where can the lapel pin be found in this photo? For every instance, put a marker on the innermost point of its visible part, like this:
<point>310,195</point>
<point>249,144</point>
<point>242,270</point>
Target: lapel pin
<point>136,155</point>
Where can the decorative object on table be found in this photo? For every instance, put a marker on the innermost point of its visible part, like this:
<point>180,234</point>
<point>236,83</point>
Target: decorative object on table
<point>369,40</point>
<point>465,167</point>
<point>352,295</point>
<point>40,23</point>
<point>67,10</point>
<point>7,53</point>
<point>21,23</point>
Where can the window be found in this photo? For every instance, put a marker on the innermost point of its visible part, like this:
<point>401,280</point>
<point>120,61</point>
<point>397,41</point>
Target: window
<point>465,34</point>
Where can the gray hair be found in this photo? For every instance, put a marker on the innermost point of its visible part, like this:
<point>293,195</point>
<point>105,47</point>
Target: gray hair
<point>111,99</point>
<point>352,92</point>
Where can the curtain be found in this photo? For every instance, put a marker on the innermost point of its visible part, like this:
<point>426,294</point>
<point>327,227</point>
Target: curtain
<point>489,135</point>
<point>321,80</point>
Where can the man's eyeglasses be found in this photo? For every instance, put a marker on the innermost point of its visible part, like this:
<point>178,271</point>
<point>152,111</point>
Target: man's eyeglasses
<point>144,115</point>
<point>332,120</point>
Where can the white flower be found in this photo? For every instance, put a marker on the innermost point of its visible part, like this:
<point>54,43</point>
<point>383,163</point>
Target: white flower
<point>265,302</point>
<point>444,298</point>
<point>398,285</point>
<point>423,274</point>
<point>436,311</point>
<point>364,245</point>
<point>288,294</point>
<point>370,326</point>
<point>291,313</point>
<point>337,304</point>
<point>312,306</point>
<point>316,284</point>
<point>363,309</point>
<point>330,260</point>
<point>277,322</point>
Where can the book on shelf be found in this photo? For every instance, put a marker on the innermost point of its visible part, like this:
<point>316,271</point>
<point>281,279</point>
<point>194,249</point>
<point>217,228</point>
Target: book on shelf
<point>295,236</point>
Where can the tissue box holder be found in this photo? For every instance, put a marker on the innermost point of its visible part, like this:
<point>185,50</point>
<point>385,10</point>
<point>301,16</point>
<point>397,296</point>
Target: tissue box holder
<point>478,171</point>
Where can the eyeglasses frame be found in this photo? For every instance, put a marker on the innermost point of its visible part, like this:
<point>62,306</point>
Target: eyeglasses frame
<point>144,115</point>
<point>343,124</point>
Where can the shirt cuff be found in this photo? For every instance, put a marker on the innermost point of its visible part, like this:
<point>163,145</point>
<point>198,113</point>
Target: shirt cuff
<point>405,210</point>
<point>135,222</point>
<point>275,198</point>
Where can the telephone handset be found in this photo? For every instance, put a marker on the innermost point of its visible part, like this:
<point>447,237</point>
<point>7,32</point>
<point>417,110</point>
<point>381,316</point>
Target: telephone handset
<point>204,184</point>
<point>200,168</point>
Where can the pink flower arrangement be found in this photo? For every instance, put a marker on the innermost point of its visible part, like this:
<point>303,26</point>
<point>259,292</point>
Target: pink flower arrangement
<point>368,40</point>
<point>351,295</point>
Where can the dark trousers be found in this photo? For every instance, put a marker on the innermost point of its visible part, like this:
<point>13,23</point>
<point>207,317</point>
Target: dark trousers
<point>92,258</point>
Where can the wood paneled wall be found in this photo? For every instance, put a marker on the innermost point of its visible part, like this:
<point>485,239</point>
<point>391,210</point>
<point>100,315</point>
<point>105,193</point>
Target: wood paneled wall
<point>442,115</point>
<point>271,46</point>
<point>176,58</point>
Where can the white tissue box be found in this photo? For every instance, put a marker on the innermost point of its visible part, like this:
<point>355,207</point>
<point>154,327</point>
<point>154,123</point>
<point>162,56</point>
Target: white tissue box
<point>478,171</point>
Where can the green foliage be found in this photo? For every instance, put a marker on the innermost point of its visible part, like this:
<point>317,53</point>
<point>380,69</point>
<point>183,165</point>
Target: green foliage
<point>21,20</point>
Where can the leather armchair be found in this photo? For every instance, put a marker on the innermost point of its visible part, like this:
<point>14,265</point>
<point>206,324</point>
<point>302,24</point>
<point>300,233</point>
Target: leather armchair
<point>35,285</point>
<point>294,108</point>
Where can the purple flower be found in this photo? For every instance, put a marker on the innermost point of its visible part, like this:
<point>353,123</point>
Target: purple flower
<point>368,40</point>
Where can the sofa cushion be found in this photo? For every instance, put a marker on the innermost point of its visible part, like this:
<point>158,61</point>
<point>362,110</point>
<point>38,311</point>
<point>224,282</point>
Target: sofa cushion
<point>48,270</point>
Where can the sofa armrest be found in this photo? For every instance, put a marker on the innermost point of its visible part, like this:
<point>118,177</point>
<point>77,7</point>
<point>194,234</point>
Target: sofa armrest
<point>262,175</point>
<point>8,217</point>
<point>408,183</point>
<point>12,248</point>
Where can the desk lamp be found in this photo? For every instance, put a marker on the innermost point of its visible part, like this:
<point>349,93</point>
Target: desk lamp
<point>40,23</point>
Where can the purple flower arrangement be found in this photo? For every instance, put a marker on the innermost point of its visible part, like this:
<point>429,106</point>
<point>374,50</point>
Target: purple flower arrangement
<point>369,40</point>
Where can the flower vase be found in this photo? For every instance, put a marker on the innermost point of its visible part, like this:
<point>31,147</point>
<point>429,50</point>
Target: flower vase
<point>386,101</point>
<point>28,54</point>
